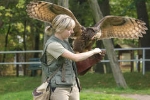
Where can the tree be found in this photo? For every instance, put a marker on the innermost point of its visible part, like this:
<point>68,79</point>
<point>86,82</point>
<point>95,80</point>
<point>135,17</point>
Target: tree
<point>105,9</point>
<point>143,15</point>
<point>120,81</point>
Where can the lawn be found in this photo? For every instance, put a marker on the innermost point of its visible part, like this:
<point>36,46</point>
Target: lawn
<point>94,86</point>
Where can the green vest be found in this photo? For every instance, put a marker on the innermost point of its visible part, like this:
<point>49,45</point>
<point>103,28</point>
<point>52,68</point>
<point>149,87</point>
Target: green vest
<point>66,75</point>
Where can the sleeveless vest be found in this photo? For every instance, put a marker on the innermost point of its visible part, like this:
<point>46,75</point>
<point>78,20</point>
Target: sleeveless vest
<point>66,76</point>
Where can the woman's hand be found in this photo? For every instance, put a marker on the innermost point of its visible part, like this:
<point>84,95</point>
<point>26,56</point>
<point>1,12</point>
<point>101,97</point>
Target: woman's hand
<point>97,50</point>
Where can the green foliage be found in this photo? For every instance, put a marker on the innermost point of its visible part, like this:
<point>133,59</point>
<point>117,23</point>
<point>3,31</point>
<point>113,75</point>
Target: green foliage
<point>123,7</point>
<point>82,12</point>
<point>2,8</point>
<point>17,23</point>
<point>13,14</point>
<point>133,42</point>
<point>148,8</point>
<point>21,4</point>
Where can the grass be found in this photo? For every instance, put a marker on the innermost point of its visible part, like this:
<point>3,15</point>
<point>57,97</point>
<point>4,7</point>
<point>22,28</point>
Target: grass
<point>94,86</point>
<point>22,95</point>
<point>137,83</point>
<point>26,95</point>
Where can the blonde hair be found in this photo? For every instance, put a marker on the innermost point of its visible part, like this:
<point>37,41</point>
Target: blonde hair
<point>60,23</point>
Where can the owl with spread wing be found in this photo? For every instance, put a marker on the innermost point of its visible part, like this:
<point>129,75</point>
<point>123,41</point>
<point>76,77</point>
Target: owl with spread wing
<point>84,37</point>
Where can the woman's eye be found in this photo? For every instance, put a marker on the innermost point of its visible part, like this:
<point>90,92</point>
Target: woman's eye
<point>69,29</point>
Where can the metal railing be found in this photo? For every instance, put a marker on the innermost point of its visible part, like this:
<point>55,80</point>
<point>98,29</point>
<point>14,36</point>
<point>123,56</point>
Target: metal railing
<point>143,60</point>
<point>15,52</point>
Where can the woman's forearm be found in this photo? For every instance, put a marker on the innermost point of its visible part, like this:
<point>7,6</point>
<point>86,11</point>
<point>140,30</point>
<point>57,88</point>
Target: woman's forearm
<point>80,56</point>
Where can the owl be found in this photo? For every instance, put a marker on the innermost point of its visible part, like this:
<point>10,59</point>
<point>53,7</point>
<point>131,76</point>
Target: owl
<point>84,37</point>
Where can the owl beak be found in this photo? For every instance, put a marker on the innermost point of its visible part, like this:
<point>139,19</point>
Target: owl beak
<point>96,29</point>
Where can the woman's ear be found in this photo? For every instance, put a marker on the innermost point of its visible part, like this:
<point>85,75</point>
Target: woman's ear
<point>48,30</point>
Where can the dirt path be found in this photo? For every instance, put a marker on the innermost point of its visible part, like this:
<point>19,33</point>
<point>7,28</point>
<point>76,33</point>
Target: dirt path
<point>137,96</point>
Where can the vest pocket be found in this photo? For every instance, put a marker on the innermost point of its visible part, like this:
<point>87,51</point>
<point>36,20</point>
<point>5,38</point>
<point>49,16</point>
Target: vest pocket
<point>68,81</point>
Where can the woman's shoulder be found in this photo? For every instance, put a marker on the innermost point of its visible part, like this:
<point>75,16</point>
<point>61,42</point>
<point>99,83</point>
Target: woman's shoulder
<point>54,44</point>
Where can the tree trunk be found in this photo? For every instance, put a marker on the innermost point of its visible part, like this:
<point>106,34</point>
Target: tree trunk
<point>24,45</point>
<point>37,40</point>
<point>120,81</point>
<point>99,67</point>
<point>143,15</point>
<point>1,23</point>
<point>6,42</point>
<point>105,9</point>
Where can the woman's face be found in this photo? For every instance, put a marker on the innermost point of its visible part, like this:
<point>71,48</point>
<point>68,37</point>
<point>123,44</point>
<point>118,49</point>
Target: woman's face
<point>66,33</point>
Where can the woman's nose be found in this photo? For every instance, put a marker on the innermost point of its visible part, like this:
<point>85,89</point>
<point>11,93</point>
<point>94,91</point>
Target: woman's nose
<point>72,31</point>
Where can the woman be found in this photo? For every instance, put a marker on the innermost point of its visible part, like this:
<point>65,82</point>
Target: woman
<point>59,54</point>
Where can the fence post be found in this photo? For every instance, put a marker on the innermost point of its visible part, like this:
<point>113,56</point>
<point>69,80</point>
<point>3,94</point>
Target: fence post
<point>143,60</point>
<point>17,65</point>
<point>137,58</point>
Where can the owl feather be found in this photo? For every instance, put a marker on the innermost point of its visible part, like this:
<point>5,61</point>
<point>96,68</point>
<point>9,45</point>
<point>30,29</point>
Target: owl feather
<point>108,27</point>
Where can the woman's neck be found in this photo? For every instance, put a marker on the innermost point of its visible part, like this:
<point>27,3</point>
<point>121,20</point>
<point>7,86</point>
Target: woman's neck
<point>58,36</point>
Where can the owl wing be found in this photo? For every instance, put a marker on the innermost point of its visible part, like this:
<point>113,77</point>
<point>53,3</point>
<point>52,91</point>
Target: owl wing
<point>46,11</point>
<point>120,27</point>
